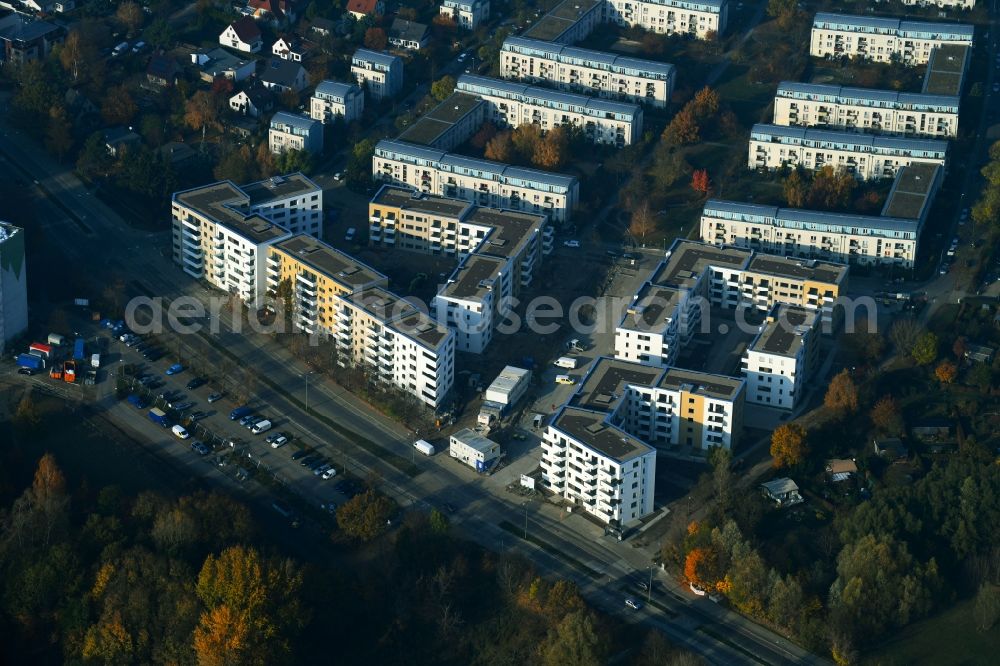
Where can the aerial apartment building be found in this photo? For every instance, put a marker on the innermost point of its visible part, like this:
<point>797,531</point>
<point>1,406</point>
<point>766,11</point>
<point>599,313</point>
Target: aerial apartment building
<point>482,182</point>
<point>568,22</point>
<point>586,71</point>
<point>291,131</point>
<point>864,110</point>
<point>703,19</point>
<point>511,104</point>
<point>222,232</point>
<point>868,157</point>
<point>378,72</point>
<point>887,239</point>
<point>943,4</point>
<point>499,252</point>
<point>782,357</point>
<point>670,307</point>
<point>448,125</point>
<point>399,344</point>
<point>13,284</point>
<point>333,99</point>
<point>883,39</point>
<point>467,14</point>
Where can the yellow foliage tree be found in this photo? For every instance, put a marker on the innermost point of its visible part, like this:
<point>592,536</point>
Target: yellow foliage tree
<point>788,445</point>
<point>222,638</point>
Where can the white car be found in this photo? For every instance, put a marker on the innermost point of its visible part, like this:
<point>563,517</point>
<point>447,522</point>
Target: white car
<point>349,236</point>
<point>329,474</point>
<point>322,468</point>
<point>633,604</point>
<point>571,243</point>
<point>278,442</point>
<point>180,432</point>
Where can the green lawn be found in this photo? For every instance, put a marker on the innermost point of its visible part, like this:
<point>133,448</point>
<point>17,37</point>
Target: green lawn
<point>948,639</point>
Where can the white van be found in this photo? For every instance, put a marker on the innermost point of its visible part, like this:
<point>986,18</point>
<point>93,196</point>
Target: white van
<point>424,447</point>
<point>95,361</point>
<point>139,46</point>
<point>566,362</point>
<point>180,432</point>
<point>263,426</point>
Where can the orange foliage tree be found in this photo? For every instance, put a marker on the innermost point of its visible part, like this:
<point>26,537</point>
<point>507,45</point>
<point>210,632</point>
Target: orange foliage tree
<point>788,445</point>
<point>946,372</point>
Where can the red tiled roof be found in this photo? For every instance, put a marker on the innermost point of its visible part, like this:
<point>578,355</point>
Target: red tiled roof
<point>362,6</point>
<point>246,29</point>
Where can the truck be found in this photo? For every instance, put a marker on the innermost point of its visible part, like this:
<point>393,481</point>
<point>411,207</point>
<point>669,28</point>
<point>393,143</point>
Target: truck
<point>424,447</point>
<point>78,350</point>
<point>158,416</point>
<point>31,361</point>
<point>40,350</point>
<point>490,413</point>
<point>69,371</point>
<point>566,362</point>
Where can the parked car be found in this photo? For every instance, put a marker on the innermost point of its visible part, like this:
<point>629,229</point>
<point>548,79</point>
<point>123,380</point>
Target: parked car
<point>180,432</point>
<point>215,397</point>
<point>565,379</point>
<point>240,412</point>
<point>248,420</point>
<point>322,468</point>
<point>308,460</point>
<point>175,369</point>
<point>301,453</point>
<point>329,474</point>
<point>349,236</point>
<point>181,406</point>
<point>196,416</point>
<point>200,448</point>
<point>277,440</point>
<point>571,243</point>
<point>261,427</point>
<point>196,382</point>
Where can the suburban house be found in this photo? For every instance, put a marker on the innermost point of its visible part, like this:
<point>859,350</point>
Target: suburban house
<point>284,75</point>
<point>891,448</point>
<point>162,70</point>
<point>291,47</point>
<point>408,35</point>
<point>216,62</point>
<point>783,492</point>
<point>979,353</point>
<point>274,11</point>
<point>841,469</point>
<point>23,38</point>
<point>177,153</point>
<point>936,434</point>
<point>253,101</point>
<point>291,131</point>
<point>242,35</point>
<point>118,139</point>
<point>362,8</point>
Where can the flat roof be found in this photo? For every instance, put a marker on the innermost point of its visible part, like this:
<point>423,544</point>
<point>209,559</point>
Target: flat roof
<point>607,380</point>
<point>412,200</point>
<point>441,118</point>
<point>421,327</point>
<point>590,429</point>
<point>689,259</point>
<point>802,269</point>
<point>652,305</point>
<point>946,70</point>
<point>329,261</point>
<point>911,190</point>
<point>782,334</point>
<point>381,303</point>
<point>474,440</point>
<point>467,280</point>
<point>562,17</point>
<point>227,205</point>
<point>702,383</point>
<point>510,229</point>
<point>279,187</point>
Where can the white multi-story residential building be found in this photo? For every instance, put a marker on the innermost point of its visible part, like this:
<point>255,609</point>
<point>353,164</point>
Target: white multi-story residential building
<point>943,4</point>
<point>890,238</point>
<point>13,284</point>
<point>568,22</point>
<point>467,14</point>
<point>333,99</point>
<point>700,18</point>
<point>499,252</point>
<point>883,39</point>
<point>782,357</point>
<point>379,72</point>
<point>585,71</point>
<point>448,125</point>
<point>291,131</point>
<point>482,182</point>
<point>867,156</point>
<point>822,105</point>
<point>221,232</point>
<point>399,344</point>
<point>512,104</point>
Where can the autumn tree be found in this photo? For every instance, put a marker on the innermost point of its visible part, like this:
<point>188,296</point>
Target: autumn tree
<point>842,394</point>
<point>683,129</point>
<point>364,516</point>
<point>484,135</point>
<point>795,189</point>
<point>26,416</point>
<point>643,222</point>
<point>575,640</point>
<point>788,445</point>
<point>925,350</point>
<point>443,88</point>
<point>118,107</point>
<point>700,181</point>
<point>886,417</point>
<point>129,14</point>
<point>705,104</point>
<point>701,567</point>
<point>500,148</point>
<point>59,132</point>
<point>946,372</point>
<point>868,347</point>
<point>525,139</point>
<point>201,111</point>
<point>551,150</point>
<point>831,188</point>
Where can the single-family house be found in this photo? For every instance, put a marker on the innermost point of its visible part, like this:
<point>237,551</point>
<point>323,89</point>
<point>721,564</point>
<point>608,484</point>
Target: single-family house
<point>253,101</point>
<point>932,429</point>
<point>323,27</point>
<point>277,12</point>
<point>979,353</point>
<point>284,75</point>
<point>362,8</point>
<point>118,139</point>
<point>410,35</point>
<point>291,47</point>
<point>242,35</point>
<point>891,448</point>
<point>177,153</point>
<point>162,70</point>
<point>783,492</point>
<point>841,469</point>
<point>217,62</point>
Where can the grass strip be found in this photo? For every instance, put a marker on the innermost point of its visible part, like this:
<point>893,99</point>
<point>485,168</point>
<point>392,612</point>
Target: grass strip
<point>550,549</point>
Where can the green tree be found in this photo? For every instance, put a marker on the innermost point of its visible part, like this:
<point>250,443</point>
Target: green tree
<point>574,641</point>
<point>986,608</point>
<point>94,160</point>
<point>364,516</point>
<point>443,88</point>
<point>439,522</point>
<point>925,350</point>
